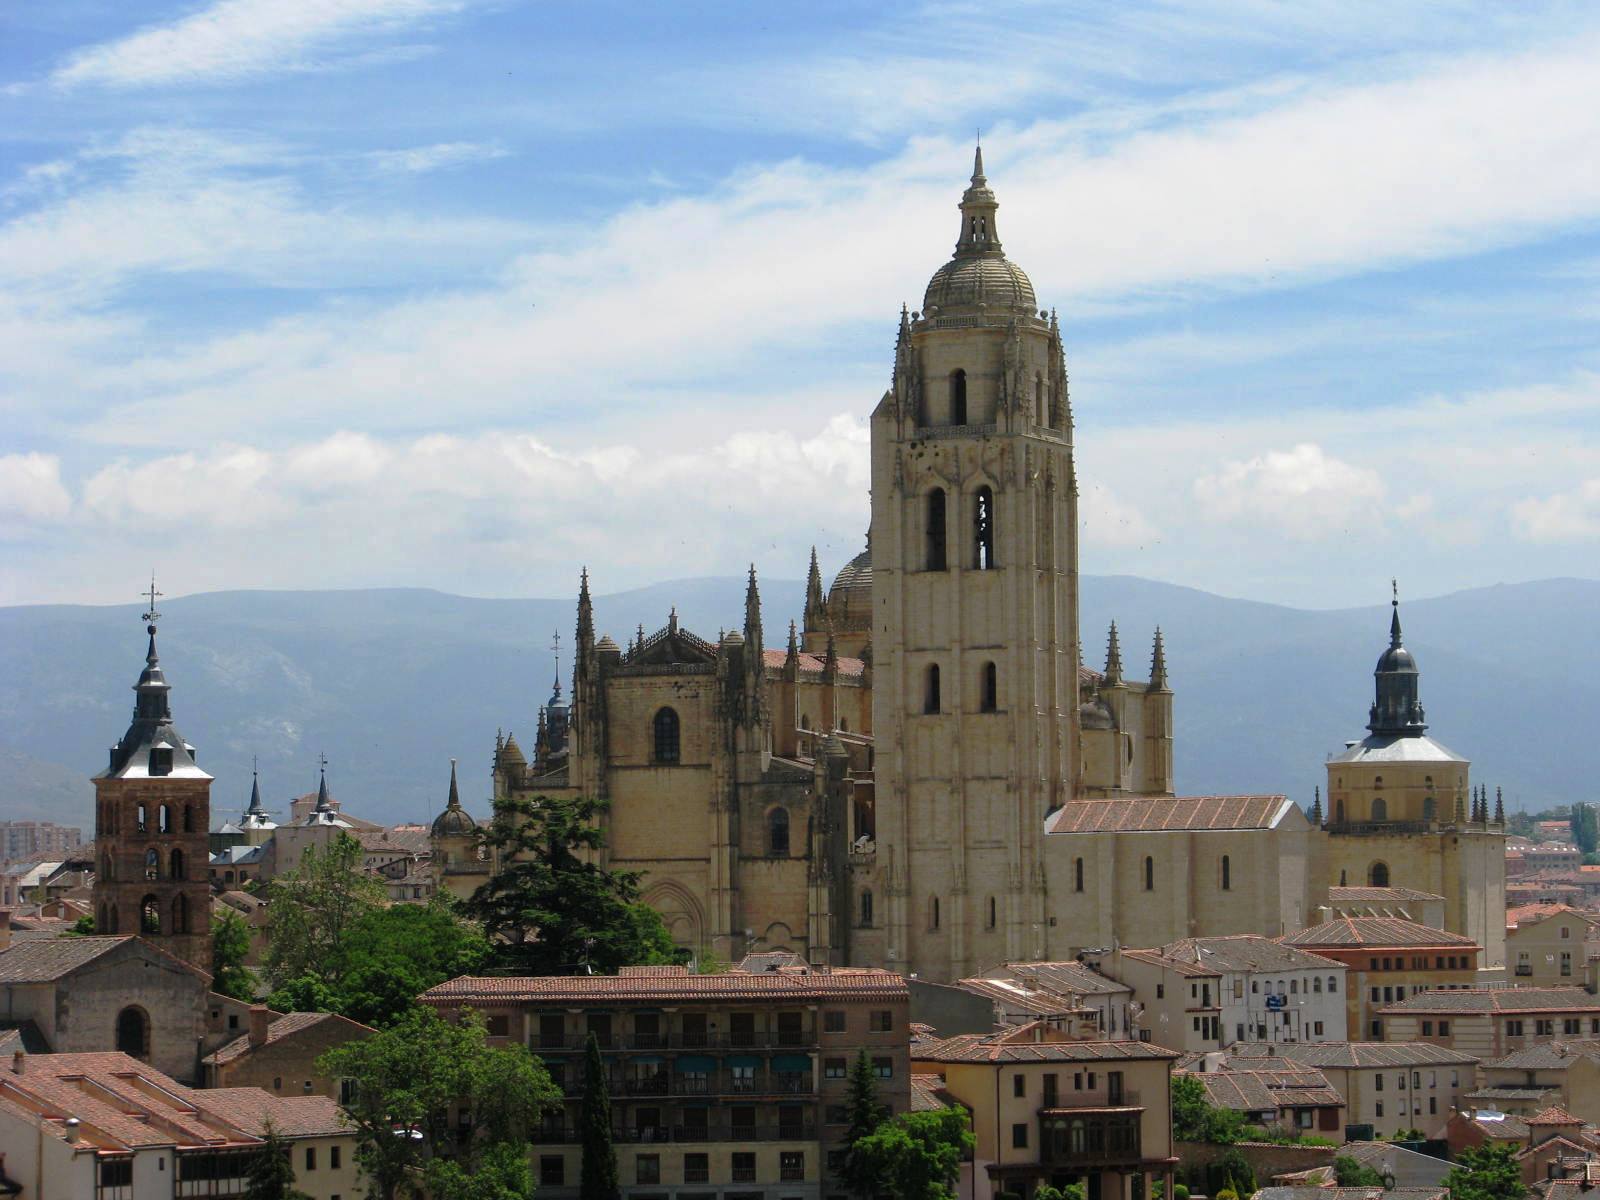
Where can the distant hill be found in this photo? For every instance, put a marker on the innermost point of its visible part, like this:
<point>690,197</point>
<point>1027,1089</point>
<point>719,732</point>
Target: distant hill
<point>391,683</point>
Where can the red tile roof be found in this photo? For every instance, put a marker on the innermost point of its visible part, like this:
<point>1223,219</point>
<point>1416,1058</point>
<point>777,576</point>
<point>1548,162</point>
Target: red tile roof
<point>989,1047</point>
<point>1167,813</point>
<point>812,664</point>
<point>1554,1115</point>
<point>1497,1000</point>
<point>1376,933</point>
<point>283,1027</point>
<point>772,985</point>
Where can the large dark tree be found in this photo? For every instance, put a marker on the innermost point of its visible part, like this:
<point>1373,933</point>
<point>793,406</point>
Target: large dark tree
<point>917,1156</point>
<point>599,1169</point>
<point>548,909</point>
<point>1486,1173</point>
<point>271,1174</point>
<point>866,1112</point>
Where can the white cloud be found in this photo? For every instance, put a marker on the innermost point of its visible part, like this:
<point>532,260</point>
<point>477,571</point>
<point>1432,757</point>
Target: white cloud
<point>1569,516</point>
<point>31,488</point>
<point>1302,491</point>
<point>419,160</point>
<point>234,39</point>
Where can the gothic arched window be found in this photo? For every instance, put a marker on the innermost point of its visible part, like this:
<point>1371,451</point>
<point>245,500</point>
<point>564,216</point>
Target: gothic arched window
<point>143,821</point>
<point>133,1032</point>
<point>983,529</point>
<point>930,697</point>
<point>1149,874</point>
<point>866,909</point>
<point>666,736</point>
<point>149,915</point>
<point>778,833</point>
<point>166,819</point>
<point>958,397</point>
<point>152,863</point>
<point>1378,875</point>
<point>989,698</point>
<point>936,535</point>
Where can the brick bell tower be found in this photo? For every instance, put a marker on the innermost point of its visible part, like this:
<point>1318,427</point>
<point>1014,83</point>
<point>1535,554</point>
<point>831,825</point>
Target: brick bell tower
<point>152,814</point>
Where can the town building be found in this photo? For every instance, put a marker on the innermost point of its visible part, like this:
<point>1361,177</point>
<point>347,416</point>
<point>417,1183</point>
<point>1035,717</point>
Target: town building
<point>23,840</point>
<point>106,1125</point>
<point>1545,944</point>
<point>1398,811</point>
<point>1277,1094</point>
<point>279,1051</point>
<point>1564,1072</point>
<point>1388,960</point>
<point>734,1083</point>
<point>152,817</point>
<point>1046,1109</point>
<point>924,778</point>
<point>1552,856</point>
<point>1400,903</point>
<point>1069,996</point>
<point>1388,1086</point>
<point>1490,1023</point>
<point>1544,1142</point>
<point>1207,993</point>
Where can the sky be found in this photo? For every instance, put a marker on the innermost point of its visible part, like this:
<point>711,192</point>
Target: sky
<point>466,294</point>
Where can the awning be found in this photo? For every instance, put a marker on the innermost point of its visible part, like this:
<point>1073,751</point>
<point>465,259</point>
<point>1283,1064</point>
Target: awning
<point>743,1060</point>
<point>791,1062</point>
<point>691,1064</point>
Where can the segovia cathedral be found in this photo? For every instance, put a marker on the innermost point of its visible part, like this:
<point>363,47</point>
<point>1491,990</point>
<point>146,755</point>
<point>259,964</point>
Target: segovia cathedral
<point>926,777</point>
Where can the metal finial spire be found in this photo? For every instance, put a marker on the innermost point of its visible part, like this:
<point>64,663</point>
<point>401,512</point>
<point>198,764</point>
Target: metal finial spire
<point>555,649</point>
<point>323,803</point>
<point>151,616</point>
<point>455,795</point>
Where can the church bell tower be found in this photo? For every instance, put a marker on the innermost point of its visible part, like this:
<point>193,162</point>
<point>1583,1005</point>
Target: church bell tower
<point>975,591</point>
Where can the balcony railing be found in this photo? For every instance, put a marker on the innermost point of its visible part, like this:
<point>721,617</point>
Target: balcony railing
<point>1524,968</point>
<point>1089,1138</point>
<point>797,1131</point>
<point>717,1083</point>
<point>677,1040</point>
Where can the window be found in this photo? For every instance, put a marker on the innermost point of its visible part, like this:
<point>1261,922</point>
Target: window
<point>1378,1108</point>
<point>1227,874</point>
<point>498,1026</point>
<point>133,1032</point>
<point>833,1020</point>
<point>834,1068</point>
<point>1427,1029</point>
<point>666,736</point>
<point>1077,874</point>
<point>881,1021</point>
<point>778,833</point>
<point>1019,1084</point>
<point>1380,812</point>
<point>883,1068</point>
<point>1050,1094</point>
<point>1444,1028</point>
<point>1378,875</point>
<point>152,864</point>
<point>792,1165</point>
<point>1316,984</point>
<point>1316,1028</point>
<point>149,916</point>
<point>1149,874</point>
<point>930,695</point>
<point>989,696</point>
<point>866,910</point>
<point>992,913</point>
<point>334,1158</point>
<point>1333,983</point>
<point>1566,963</point>
<point>647,1168</point>
<point>744,1167</point>
<point>983,529</point>
<point>936,535</point>
<point>696,1168</point>
<point>1433,1106</point>
<point>1019,1136</point>
<point>958,397</point>
<point>1161,991</point>
<point>933,912</point>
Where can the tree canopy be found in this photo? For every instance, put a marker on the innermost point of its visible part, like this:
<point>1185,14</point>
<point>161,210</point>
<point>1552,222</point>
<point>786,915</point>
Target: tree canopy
<point>271,1172</point>
<point>230,944</point>
<point>412,1078</point>
<point>548,909</point>
<point>1196,1119</point>
<point>1486,1173</point>
<point>599,1169</point>
<point>917,1156</point>
<point>313,910</point>
<point>865,1113</point>
<point>1352,1172</point>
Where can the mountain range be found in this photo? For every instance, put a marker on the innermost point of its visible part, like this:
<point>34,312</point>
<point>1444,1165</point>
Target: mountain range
<point>391,684</point>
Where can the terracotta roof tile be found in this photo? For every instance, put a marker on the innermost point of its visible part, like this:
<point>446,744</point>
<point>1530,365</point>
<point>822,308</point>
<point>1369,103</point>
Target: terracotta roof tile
<point>1377,932</point>
<point>729,986</point>
<point>987,1047</point>
<point>1169,813</point>
<point>1497,1000</point>
<point>1357,1055</point>
<point>1554,1115</point>
<point>283,1027</point>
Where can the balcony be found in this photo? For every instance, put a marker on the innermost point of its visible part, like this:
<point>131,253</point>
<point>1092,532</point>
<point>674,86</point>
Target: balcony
<point>677,1040</point>
<point>796,1131</point>
<point>1525,969</point>
<point>711,1083</point>
<point>1090,1136</point>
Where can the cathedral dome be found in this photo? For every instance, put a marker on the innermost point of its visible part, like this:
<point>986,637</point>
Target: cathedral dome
<point>850,597</point>
<point>979,274</point>
<point>454,821</point>
<point>993,281</point>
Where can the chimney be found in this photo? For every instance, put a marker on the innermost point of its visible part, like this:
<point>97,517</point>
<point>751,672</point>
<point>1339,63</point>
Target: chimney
<point>260,1021</point>
<point>72,1130</point>
<point>17,1057</point>
<point>5,929</point>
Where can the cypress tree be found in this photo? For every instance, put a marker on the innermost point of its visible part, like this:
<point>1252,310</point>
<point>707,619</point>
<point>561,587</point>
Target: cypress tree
<point>271,1174</point>
<point>866,1114</point>
<point>598,1177</point>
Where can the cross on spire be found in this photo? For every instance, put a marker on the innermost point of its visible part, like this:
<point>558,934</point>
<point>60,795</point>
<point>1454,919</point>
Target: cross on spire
<point>151,615</point>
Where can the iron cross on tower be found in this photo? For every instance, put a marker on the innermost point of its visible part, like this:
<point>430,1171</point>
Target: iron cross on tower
<point>555,648</point>
<point>151,616</point>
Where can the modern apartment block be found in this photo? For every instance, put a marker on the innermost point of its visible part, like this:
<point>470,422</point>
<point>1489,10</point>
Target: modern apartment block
<point>730,1086</point>
<point>21,840</point>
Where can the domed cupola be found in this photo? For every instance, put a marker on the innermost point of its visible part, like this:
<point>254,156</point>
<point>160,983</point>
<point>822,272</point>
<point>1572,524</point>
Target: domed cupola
<point>1396,709</point>
<point>454,821</point>
<point>979,276</point>
<point>850,597</point>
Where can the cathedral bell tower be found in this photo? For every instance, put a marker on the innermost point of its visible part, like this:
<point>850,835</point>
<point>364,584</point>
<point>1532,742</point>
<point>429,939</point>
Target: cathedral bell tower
<point>975,591</point>
<point>152,814</point>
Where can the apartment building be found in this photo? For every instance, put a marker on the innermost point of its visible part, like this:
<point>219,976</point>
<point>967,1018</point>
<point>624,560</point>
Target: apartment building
<point>37,839</point>
<point>729,1086</point>
<point>1527,1081</point>
<point>1489,1023</point>
<point>108,1126</point>
<point>1272,1091</point>
<point>1544,944</point>
<point>1389,959</point>
<point>1207,993</point>
<point>1049,1110</point>
<point>1390,1087</point>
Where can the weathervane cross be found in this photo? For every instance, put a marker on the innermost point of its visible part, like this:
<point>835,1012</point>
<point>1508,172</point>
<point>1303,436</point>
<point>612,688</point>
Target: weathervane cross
<point>151,614</point>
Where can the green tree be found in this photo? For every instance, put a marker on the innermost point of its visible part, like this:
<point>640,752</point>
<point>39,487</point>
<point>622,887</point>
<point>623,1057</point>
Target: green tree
<point>1196,1119</point>
<point>865,1113</point>
<point>1585,828</point>
<point>82,927</point>
<point>271,1173</point>
<point>917,1156</point>
<point>548,910</point>
<point>1352,1172</point>
<point>598,1173</point>
<point>313,912</point>
<point>502,1173</point>
<point>230,943</point>
<point>1073,1191</point>
<point>410,1078</point>
<point>1485,1173</point>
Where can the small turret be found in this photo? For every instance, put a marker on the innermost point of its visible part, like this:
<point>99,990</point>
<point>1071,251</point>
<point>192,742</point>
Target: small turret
<point>815,613</point>
<point>1396,710</point>
<point>1316,806</point>
<point>454,821</point>
<point>1158,665</point>
<point>1113,658</point>
<point>1499,807</point>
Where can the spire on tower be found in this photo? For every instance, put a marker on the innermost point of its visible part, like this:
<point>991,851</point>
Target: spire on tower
<point>455,793</point>
<point>324,804</point>
<point>1113,657</point>
<point>1316,806</point>
<point>1158,664</point>
<point>815,604</point>
<point>752,609</point>
<point>585,614</point>
<point>1396,711</point>
<point>1499,806</point>
<point>255,808</point>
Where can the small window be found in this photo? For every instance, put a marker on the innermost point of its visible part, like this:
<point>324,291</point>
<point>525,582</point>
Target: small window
<point>936,530</point>
<point>993,914</point>
<point>930,697</point>
<point>1227,874</point>
<point>881,1020</point>
<point>933,912</point>
<point>833,1020</point>
<point>1077,874</point>
<point>1019,1136</point>
<point>778,833</point>
<point>166,818</point>
<point>648,1168</point>
<point>666,736</point>
<point>866,910</point>
<point>958,397</point>
<point>834,1068</point>
<point>989,697</point>
<point>1149,874</point>
<point>983,529</point>
<point>1378,875</point>
<point>883,1068</point>
<point>1019,1084</point>
<point>334,1158</point>
<point>311,1158</point>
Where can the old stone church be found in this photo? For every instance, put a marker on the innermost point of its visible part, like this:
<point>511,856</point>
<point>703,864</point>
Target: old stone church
<point>926,777</point>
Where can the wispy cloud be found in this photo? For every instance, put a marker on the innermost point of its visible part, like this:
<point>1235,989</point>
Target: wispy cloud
<point>419,160</point>
<point>238,39</point>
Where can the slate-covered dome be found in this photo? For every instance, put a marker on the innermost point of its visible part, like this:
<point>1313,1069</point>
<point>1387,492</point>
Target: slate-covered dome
<point>850,597</point>
<point>454,821</point>
<point>990,280</point>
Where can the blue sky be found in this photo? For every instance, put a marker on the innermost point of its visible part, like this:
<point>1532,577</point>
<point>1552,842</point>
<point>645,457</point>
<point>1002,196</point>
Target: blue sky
<point>466,293</point>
